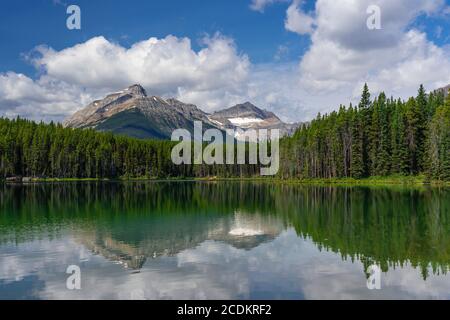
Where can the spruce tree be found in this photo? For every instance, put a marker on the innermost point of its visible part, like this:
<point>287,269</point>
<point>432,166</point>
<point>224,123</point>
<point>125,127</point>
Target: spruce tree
<point>422,111</point>
<point>374,138</point>
<point>439,143</point>
<point>364,128</point>
<point>384,150</point>
<point>357,161</point>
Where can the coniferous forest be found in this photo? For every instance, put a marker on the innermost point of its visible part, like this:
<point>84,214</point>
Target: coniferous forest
<point>376,138</point>
<point>380,136</point>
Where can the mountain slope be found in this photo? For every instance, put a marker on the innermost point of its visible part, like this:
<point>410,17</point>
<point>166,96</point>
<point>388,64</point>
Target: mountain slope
<point>248,116</point>
<point>131,112</point>
<point>444,90</point>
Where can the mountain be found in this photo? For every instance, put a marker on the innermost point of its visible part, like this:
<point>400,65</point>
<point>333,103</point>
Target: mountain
<point>132,112</point>
<point>247,116</point>
<point>444,90</point>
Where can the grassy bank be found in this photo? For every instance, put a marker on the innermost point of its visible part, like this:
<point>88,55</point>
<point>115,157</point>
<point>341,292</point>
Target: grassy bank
<point>371,181</point>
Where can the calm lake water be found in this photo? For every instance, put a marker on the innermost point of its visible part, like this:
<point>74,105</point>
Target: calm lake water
<point>199,240</point>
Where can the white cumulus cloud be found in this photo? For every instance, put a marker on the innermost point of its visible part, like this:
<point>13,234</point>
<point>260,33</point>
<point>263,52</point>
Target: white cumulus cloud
<point>43,99</point>
<point>162,65</point>
<point>397,58</point>
<point>298,21</point>
<point>344,54</point>
<point>168,67</point>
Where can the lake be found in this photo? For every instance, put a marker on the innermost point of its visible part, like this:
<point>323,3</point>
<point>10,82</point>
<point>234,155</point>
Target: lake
<point>223,240</point>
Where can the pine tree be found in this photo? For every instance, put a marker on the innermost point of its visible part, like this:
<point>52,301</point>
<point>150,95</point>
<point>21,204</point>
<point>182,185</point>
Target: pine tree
<point>364,122</point>
<point>399,143</point>
<point>357,161</point>
<point>373,138</point>
<point>439,143</point>
<point>421,110</point>
<point>365,98</point>
<point>412,134</point>
<point>384,148</point>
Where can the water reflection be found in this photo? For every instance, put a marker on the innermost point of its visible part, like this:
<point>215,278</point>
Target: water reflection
<point>158,237</point>
<point>222,240</point>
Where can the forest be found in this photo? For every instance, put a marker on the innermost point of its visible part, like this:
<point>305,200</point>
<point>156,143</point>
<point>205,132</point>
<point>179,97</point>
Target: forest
<point>376,138</point>
<point>379,137</point>
<point>29,149</point>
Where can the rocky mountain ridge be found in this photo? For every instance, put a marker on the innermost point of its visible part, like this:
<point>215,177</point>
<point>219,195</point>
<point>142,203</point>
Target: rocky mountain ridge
<point>132,112</point>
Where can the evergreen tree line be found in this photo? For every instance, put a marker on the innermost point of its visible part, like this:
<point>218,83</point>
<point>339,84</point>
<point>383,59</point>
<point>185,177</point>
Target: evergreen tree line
<point>31,149</point>
<point>376,138</point>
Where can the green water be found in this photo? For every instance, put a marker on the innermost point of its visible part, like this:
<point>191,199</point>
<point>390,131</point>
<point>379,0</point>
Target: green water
<point>227,240</point>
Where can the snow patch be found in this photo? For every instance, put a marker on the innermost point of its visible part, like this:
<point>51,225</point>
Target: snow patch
<point>215,121</point>
<point>245,232</point>
<point>244,121</point>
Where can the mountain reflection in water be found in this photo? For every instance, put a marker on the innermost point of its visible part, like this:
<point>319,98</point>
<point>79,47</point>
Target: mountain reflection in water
<point>198,240</point>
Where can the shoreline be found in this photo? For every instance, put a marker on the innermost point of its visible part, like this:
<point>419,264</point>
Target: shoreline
<point>371,181</point>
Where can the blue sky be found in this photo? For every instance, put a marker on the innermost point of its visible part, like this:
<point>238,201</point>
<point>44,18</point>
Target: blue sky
<point>293,57</point>
<point>25,24</point>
